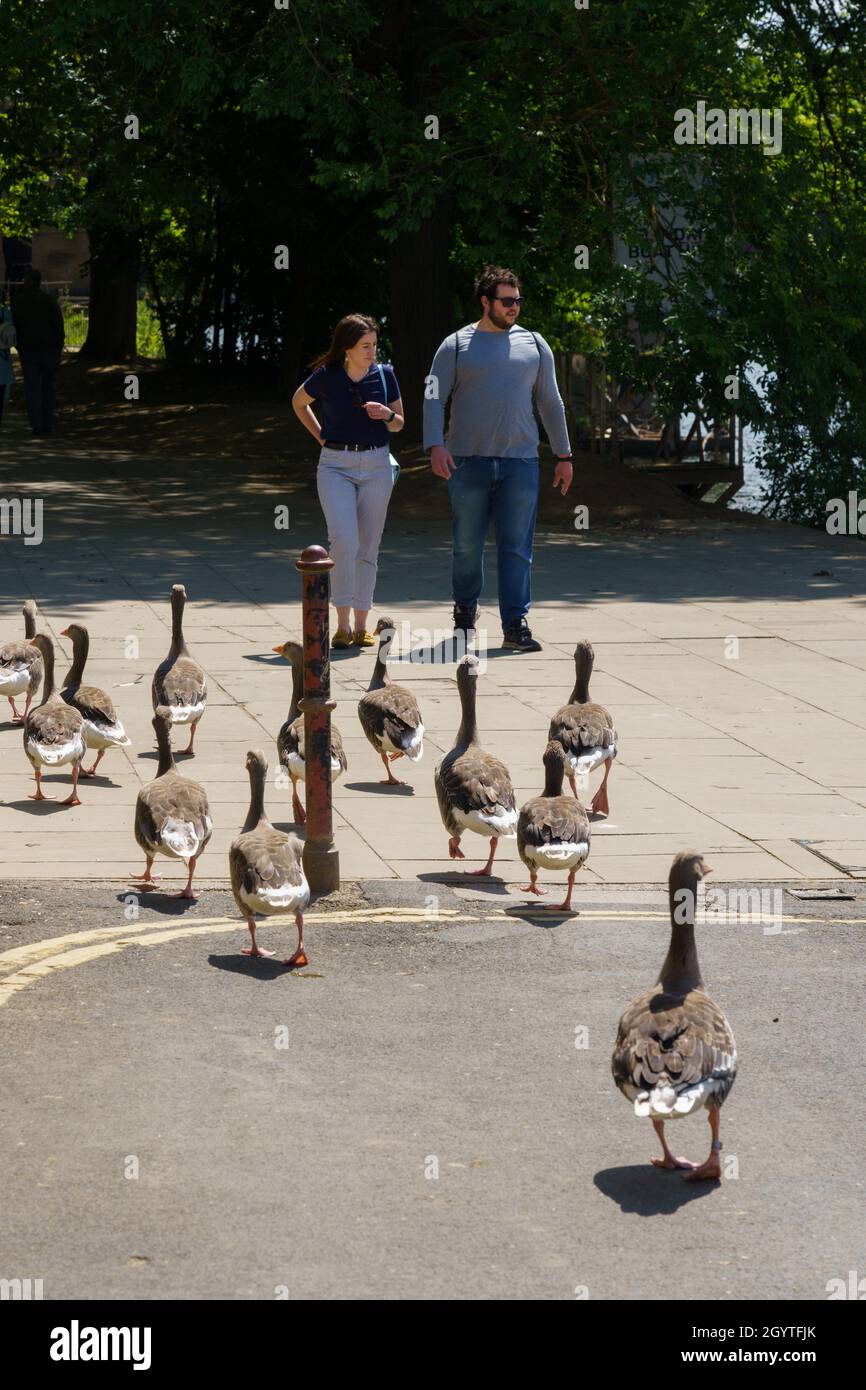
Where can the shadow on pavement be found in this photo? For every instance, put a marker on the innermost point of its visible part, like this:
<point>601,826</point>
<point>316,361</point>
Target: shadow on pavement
<point>649,1191</point>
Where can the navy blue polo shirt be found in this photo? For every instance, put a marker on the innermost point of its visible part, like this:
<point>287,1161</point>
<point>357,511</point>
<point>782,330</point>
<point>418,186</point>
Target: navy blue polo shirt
<point>343,419</point>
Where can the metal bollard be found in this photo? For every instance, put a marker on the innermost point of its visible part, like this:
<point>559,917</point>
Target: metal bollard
<point>321,859</point>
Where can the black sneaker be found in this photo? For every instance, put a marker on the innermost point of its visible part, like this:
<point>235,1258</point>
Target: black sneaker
<point>519,638</point>
<point>465,615</point>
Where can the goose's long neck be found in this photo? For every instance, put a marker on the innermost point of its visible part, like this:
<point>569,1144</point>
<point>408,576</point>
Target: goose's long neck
<point>166,759</point>
<point>681,971</point>
<point>80,648</point>
<point>29,621</point>
<point>48,680</point>
<point>177,640</point>
<point>380,677</point>
<point>582,673</point>
<point>468,731</point>
<point>256,813</point>
<point>553,776</point>
<point>297,689</point>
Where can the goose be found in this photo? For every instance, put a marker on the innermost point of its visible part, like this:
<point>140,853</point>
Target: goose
<point>675,1052</point>
<point>585,730</point>
<point>290,739</point>
<point>266,869</point>
<point>179,682</point>
<point>21,666</point>
<point>389,714</point>
<point>102,728</point>
<point>54,731</point>
<point>172,815</point>
<point>553,830</point>
<point>473,788</point>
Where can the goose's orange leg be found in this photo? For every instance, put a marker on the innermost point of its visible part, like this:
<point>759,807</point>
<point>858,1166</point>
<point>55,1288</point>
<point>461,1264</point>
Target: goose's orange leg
<point>532,885</point>
<point>390,780</point>
<point>73,798</point>
<point>488,867</point>
<point>147,880</point>
<point>300,956</point>
<point>712,1169</point>
<point>600,803</point>
<point>668,1161</point>
<point>38,795</point>
<point>255,949</point>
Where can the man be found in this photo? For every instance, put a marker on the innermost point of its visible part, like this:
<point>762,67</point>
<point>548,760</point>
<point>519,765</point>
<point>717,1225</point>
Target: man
<point>39,328</point>
<point>489,370</point>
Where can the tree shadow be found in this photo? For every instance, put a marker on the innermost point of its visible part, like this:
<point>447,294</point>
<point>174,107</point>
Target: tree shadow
<point>642,1190</point>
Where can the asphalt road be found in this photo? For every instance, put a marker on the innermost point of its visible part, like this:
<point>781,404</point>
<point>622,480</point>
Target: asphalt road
<point>410,1117</point>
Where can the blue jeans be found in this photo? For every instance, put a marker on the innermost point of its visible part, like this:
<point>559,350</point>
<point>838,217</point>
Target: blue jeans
<point>505,490</point>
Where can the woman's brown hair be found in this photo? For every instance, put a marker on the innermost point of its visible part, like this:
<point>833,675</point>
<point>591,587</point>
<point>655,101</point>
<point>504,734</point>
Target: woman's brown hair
<point>348,332</point>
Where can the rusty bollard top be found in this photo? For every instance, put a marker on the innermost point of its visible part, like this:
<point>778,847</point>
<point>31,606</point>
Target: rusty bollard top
<point>314,558</point>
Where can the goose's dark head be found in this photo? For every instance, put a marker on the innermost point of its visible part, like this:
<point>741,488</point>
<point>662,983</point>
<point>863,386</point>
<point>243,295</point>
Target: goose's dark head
<point>290,651</point>
<point>256,762</point>
<point>687,870</point>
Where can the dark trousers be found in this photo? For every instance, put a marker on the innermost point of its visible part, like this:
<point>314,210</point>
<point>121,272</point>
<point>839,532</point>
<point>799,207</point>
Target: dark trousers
<point>39,368</point>
<point>3,390</point>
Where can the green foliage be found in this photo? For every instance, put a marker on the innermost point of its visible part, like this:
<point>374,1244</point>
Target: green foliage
<point>307,127</point>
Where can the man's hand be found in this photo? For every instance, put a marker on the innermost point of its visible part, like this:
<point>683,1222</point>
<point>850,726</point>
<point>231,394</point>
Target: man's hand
<point>441,461</point>
<point>563,475</point>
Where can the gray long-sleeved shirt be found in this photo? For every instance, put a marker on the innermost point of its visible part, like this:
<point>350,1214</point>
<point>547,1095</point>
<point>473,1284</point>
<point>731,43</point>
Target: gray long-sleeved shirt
<point>490,382</point>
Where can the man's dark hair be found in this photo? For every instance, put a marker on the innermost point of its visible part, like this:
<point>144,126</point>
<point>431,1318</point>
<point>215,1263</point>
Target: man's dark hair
<point>33,277</point>
<point>490,277</point>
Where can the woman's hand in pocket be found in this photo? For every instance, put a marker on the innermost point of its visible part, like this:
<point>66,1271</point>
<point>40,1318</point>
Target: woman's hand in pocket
<point>441,462</point>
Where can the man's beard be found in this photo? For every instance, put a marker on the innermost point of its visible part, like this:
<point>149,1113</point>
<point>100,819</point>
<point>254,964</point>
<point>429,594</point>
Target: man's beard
<point>499,320</point>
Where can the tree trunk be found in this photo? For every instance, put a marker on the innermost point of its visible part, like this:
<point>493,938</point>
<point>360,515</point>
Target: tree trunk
<point>114,262</point>
<point>421,313</point>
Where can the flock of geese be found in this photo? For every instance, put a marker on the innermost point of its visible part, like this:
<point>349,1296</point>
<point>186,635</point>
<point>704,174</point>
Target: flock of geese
<point>674,1051</point>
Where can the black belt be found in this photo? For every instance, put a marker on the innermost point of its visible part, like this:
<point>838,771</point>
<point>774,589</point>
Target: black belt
<point>354,448</point>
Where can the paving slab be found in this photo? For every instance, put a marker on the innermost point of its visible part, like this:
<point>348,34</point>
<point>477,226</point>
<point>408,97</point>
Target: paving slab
<point>745,756</point>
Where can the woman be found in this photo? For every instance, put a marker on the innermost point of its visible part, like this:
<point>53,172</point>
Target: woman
<point>7,337</point>
<point>360,406</point>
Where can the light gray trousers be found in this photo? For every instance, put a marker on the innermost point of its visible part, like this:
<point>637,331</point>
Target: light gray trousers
<point>354,490</point>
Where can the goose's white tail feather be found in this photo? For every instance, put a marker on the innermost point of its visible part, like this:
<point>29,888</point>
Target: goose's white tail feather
<point>502,824</point>
<point>14,680</point>
<point>673,1102</point>
<point>106,735</point>
<point>55,755</point>
<point>589,759</point>
<point>563,856</point>
<point>290,897</point>
<point>415,750</point>
<point>180,839</point>
<point>185,714</point>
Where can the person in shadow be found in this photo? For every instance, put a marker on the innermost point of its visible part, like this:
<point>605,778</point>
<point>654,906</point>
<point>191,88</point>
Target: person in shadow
<point>39,327</point>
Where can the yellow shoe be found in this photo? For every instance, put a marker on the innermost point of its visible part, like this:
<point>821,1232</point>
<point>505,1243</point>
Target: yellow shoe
<point>342,639</point>
<point>364,639</point>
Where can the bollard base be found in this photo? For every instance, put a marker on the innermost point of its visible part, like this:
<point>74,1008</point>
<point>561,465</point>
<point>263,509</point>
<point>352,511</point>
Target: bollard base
<point>322,868</point>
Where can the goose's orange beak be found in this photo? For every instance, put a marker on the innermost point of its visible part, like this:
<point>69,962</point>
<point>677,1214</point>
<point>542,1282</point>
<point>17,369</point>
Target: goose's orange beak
<point>278,650</point>
<point>65,632</point>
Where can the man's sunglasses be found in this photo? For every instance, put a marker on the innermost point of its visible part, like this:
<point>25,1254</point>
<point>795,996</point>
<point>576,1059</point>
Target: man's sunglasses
<point>509,300</point>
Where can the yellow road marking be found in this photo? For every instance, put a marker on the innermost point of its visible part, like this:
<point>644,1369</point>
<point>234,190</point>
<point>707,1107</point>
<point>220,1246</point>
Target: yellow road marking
<point>152,934</point>
<point>20,955</point>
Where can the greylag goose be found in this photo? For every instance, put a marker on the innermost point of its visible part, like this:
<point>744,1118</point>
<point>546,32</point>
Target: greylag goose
<point>585,730</point>
<point>21,666</point>
<point>389,714</point>
<point>102,728</point>
<point>179,682</point>
<point>172,815</point>
<point>553,830</point>
<point>675,1051</point>
<point>266,869</point>
<point>473,788</point>
<point>54,731</point>
<point>290,739</point>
